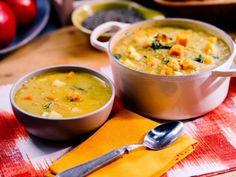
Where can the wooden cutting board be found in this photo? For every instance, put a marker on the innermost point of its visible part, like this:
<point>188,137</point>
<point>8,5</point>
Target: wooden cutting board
<point>65,46</point>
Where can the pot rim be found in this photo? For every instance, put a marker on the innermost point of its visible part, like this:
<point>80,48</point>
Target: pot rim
<point>223,35</point>
<point>30,75</point>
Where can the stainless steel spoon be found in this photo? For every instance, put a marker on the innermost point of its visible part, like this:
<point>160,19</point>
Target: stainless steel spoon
<point>156,139</point>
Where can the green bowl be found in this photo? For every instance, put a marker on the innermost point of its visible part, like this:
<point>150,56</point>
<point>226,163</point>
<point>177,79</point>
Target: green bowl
<point>84,11</point>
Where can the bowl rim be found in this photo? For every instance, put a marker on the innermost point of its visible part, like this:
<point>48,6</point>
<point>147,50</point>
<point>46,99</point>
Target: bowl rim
<point>30,75</point>
<point>223,35</point>
<point>80,8</point>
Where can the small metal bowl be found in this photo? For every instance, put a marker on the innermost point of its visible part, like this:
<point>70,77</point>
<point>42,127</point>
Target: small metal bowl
<point>58,129</point>
<point>84,11</point>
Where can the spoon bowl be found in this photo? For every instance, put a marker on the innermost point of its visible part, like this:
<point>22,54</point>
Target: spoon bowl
<point>163,135</point>
<point>156,139</point>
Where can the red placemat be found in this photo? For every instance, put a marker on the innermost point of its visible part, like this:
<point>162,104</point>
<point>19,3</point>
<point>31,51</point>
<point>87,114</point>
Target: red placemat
<point>24,155</point>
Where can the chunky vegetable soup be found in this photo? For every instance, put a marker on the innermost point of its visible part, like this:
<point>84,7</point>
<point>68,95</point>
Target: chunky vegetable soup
<point>170,50</point>
<point>61,95</point>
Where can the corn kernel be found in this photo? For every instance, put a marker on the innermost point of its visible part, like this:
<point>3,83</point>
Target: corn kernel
<point>166,70</point>
<point>188,31</point>
<point>208,59</point>
<point>151,62</point>
<point>188,64</point>
<point>209,47</point>
<point>174,64</point>
<point>212,39</point>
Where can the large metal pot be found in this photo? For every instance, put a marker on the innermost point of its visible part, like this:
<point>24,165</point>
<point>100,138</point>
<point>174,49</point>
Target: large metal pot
<point>168,97</point>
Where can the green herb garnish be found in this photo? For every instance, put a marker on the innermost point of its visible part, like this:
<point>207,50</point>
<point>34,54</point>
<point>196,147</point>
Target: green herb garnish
<point>117,56</point>
<point>47,105</point>
<point>166,60</point>
<point>199,59</point>
<point>79,88</point>
<point>216,57</point>
<point>156,45</point>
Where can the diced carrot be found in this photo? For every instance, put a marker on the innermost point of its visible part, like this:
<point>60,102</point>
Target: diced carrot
<point>162,37</point>
<point>51,97</point>
<point>188,64</point>
<point>146,45</point>
<point>166,70</point>
<point>70,74</point>
<point>28,97</point>
<point>74,97</point>
<point>182,39</point>
<point>177,50</point>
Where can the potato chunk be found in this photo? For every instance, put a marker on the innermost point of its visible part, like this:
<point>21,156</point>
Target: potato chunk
<point>58,83</point>
<point>133,53</point>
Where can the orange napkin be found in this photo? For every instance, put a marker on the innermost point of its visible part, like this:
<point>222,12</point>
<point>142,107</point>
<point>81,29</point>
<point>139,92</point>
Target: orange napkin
<point>123,129</point>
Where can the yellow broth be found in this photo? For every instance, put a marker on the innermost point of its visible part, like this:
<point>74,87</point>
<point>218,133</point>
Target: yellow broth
<point>63,95</point>
<point>170,50</point>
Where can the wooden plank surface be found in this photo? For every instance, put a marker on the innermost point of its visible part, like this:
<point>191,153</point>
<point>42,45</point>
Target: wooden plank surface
<point>66,46</point>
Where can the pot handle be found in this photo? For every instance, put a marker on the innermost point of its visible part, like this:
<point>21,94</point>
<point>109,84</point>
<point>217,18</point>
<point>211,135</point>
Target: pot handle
<point>101,29</point>
<point>231,72</point>
<point>224,73</point>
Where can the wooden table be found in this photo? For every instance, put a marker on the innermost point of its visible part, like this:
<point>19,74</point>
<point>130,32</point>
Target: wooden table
<point>65,46</point>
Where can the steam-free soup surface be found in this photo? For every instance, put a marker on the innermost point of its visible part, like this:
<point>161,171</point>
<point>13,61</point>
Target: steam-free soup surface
<point>62,95</point>
<point>170,50</point>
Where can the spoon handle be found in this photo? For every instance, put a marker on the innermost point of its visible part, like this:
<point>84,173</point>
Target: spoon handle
<point>90,166</point>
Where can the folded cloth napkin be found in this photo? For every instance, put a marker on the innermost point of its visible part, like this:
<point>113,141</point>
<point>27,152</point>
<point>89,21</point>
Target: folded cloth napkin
<point>126,128</point>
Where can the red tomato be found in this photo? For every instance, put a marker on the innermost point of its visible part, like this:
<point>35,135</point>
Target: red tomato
<point>7,25</point>
<point>25,11</point>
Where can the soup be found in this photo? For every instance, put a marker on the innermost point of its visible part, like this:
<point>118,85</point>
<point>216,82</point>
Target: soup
<point>170,50</point>
<point>63,95</point>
